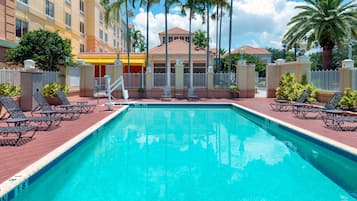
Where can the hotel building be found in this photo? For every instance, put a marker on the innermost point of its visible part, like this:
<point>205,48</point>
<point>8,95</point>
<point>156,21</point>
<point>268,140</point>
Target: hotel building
<point>80,21</point>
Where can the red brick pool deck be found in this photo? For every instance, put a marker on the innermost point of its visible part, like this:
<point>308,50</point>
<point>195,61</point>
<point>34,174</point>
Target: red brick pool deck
<point>16,158</point>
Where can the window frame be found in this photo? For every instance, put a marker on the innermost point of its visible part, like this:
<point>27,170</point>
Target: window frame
<point>49,9</point>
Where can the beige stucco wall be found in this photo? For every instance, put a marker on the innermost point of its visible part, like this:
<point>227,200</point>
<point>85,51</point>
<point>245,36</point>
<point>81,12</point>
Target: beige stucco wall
<point>274,72</point>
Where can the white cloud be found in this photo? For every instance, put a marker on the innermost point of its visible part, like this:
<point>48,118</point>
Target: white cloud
<point>255,22</point>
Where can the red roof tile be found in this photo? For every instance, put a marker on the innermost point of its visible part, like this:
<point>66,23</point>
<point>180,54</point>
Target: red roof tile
<point>251,50</point>
<point>177,47</point>
<point>176,31</point>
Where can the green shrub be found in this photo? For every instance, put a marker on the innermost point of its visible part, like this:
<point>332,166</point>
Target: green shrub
<point>289,89</point>
<point>7,89</point>
<point>234,88</point>
<point>49,90</point>
<point>349,100</point>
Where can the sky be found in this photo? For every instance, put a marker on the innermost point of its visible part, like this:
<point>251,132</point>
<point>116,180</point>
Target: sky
<point>258,23</point>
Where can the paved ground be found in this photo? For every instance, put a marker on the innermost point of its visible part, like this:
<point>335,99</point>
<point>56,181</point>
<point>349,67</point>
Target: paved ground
<point>17,158</point>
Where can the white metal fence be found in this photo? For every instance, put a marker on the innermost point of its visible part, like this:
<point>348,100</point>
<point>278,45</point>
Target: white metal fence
<point>137,80</point>
<point>74,77</point>
<point>10,76</point>
<point>224,79</point>
<point>199,80</point>
<point>14,77</point>
<point>325,79</point>
<point>159,79</point>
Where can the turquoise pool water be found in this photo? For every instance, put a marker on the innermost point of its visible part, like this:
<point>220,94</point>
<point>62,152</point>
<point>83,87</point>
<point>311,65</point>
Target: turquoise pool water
<point>190,153</point>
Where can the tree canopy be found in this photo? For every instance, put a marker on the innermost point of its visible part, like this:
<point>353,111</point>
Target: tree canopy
<point>200,39</point>
<point>47,49</point>
<point>326,22</point>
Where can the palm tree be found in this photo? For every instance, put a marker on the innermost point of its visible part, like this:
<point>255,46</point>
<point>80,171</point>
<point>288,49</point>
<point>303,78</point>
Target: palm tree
<point>194,7</point>
<point>230,38</point>
<point>167,89</point>
<point>149,3</point>
<point>138,40</point>
<point>113,13</point>
<point>220,5</point>
<point>199,39</point>
<point>325,22</point>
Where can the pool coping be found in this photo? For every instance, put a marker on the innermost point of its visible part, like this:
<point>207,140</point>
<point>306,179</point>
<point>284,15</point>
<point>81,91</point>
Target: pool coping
<point>13,182</point>
<point>313,135</point>
<point>21,177</point>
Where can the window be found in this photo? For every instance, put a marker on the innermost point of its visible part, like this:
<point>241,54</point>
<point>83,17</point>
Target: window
<point>101,17</point>
<point>100,50</point>
<point>50,9</point>
<point>25,1</point>
<point>106,38</point>
<point>114,43</point>
<point>68,20</point>
<point>68,2</point>
<point>114,30</point>
<point>81,28</point>
<point>81,7</point>
<point>101,34</point>
<point>81,47</point>
<point>21,27</point>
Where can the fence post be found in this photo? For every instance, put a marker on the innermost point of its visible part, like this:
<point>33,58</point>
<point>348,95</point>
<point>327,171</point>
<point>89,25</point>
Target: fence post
<point>246,80</point>
<point>148,81</point>
<point>179,78</point>
<point>345,78</point>
<point>86,87</point>
<point>30,82</point>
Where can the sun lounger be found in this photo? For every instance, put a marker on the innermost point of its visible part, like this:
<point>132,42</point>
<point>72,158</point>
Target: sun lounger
<point>19,131</point>
<point>83,106</point>
<point>304,110</point>
<point>45,108</point>
<point>18,117</point>
<point>339,121</point>
<point>285,105</point>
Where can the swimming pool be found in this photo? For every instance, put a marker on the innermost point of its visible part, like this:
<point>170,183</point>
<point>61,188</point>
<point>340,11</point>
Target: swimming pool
<point>191,152</point>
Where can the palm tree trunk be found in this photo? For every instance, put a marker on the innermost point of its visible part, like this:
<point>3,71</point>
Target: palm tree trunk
<point>127,39</point>
<point>217,43</point>
<point>327,62</point>
<point>167,90</point>
<point>147,34</point>
<point>220,36</point>
<point>191,92</point>
<point>207,56</point>
<point>230,38</point>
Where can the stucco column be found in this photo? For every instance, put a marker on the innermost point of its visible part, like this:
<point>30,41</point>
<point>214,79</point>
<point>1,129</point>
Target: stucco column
<point>346,78</point>
<point>246,80</point>
<point>210,74</point>
<point>30,82</point>
<point>272,79</point>
<point>115,71</point>
<point>86,80</point>
<point>179,75</point>
<point>148,78</point>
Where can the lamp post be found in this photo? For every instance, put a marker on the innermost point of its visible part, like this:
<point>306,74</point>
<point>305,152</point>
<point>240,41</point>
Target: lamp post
<point>284,46</point>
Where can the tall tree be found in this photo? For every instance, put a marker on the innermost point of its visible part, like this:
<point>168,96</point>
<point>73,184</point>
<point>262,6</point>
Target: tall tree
<point>167,89</point>
<point>47,49</point>
<point>137,40</point>
<point>218,15</point>
<point>112,13</point>
<point>194,7</point>
<point>199,39</point>
<point>326,22</point>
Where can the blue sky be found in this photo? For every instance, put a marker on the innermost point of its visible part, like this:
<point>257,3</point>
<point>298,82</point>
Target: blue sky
<point>258,23</point>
